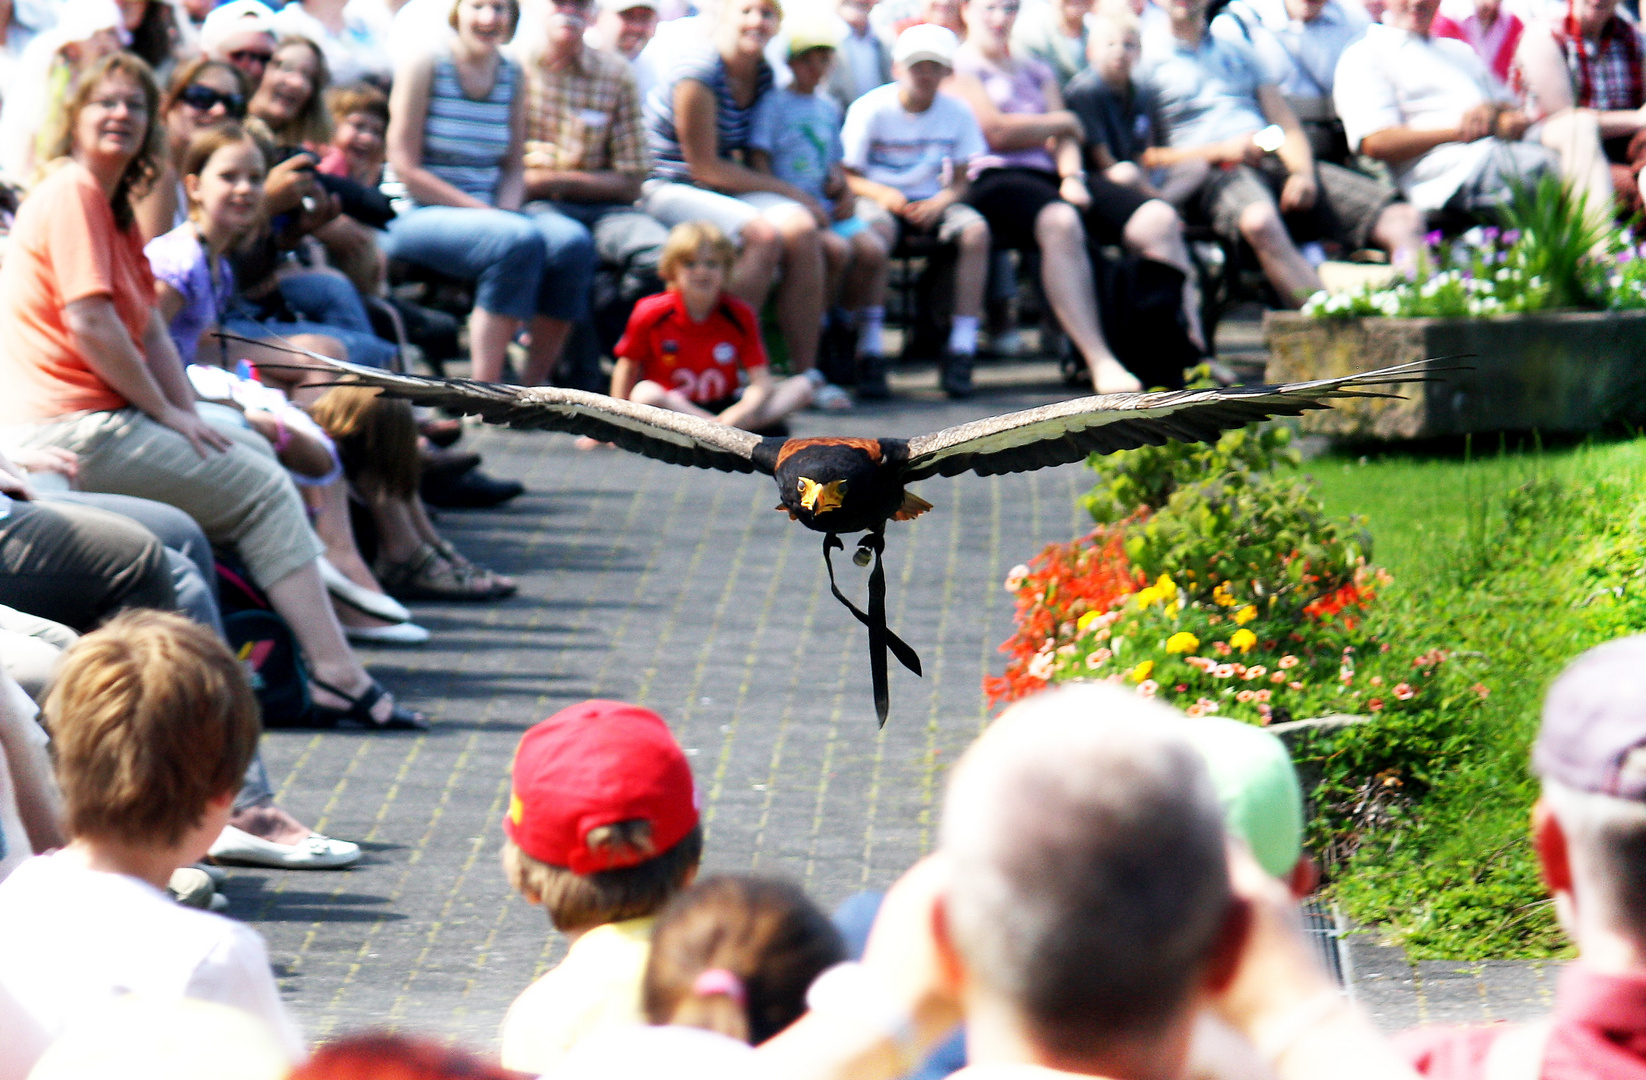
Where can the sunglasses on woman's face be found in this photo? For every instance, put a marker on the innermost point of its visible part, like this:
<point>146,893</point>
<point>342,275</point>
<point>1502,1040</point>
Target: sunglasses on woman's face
<point>202,98</point>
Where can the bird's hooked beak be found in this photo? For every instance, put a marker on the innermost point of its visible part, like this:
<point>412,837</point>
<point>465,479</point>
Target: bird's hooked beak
<point>821,498</point>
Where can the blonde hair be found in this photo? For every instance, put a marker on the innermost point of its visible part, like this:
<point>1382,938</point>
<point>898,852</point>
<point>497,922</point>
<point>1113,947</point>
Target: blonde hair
<point>151,718</point>
<point>583,901</point>
<point>376,438</point>
<point>1118,17</point>
<point>687,239</point>
<point>145,164</point>
<point>312,125</point>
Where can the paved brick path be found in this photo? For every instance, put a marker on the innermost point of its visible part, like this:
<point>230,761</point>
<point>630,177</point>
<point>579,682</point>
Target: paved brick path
<point>684,591</point>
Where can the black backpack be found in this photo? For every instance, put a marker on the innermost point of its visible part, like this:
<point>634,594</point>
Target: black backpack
<point>1142,305</point>
<point>261,640</point>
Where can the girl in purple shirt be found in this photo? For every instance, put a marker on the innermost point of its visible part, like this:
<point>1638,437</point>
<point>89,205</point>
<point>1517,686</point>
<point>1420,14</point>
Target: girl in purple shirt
<point>1034,191</point>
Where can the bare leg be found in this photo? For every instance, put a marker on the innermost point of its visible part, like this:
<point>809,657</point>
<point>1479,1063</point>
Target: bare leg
<point>1285,267</point>
<point>755,271</point>
<point>1066,276</point>
<point>837,257</point>
<point>489,337</point>
<point>548,337</point>
<point>335,529</point>
<point>275,365</point>
<point>646,392</point>
<point>971,271</point>
<point>760,408</point>
<point>865,286</point>
<point>1574,134</point>
<point>1399,231</point>
<point>397,532</point>
<point>271,823</point>
<point>800,298</point>
<point>300,598</point>
<point>1183,180</point>
<point>1156,231</point>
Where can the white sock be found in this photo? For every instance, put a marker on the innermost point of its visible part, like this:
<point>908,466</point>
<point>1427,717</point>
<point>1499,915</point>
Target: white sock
<point>963,335</point>
<point>870,322</point>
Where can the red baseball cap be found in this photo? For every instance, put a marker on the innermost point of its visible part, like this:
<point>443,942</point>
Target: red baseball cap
<point>596,764</point>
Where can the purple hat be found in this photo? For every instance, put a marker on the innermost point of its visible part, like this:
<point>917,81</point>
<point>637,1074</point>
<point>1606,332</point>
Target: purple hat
<point>1593,736</point>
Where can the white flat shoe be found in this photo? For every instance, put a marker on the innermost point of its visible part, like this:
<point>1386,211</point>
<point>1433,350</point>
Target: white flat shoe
<point>405,633</point>
<point>315,852</point>
<point>374,604</point>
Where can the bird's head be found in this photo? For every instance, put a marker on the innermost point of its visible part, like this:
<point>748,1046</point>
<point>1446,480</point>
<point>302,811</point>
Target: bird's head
<point>820,498</point>
<point>830,485</point>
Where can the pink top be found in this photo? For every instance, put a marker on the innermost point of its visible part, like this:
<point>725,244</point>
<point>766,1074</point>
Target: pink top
<point>1019,86</point>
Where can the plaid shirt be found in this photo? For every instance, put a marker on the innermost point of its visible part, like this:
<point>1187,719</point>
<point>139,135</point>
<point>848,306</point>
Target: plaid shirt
<point>1608,74</point>
<point>587,114</point>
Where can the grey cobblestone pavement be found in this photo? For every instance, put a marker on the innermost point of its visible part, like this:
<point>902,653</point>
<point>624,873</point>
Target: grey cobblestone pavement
<point>684,591</point>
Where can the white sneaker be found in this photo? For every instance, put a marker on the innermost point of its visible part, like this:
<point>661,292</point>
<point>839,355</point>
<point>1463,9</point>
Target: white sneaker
<point>315,852</point>
<point>831,398</point>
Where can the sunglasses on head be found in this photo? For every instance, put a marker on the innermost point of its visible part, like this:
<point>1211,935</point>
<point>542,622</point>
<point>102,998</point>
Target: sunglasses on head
<point>201,98</point>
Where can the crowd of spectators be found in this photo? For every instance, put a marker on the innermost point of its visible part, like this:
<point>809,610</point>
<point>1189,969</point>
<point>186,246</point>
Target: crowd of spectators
<point>192,190</point>
<point>1114,893</point>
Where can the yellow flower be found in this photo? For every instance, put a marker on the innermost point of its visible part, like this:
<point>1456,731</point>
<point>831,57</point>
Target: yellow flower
<point>1167,587</point>
<point>1223,596</point>
<point>1172,609</point>
<point>1141,671</point>
<point>1182,642</point>
<point>1243,639</point>
<point>1085,621</point>
<point>1245,614</point>
<point>1148,596</point>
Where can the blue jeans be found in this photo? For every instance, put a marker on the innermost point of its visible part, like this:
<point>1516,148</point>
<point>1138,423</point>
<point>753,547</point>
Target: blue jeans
<point>521,266</point>
<point>332,302</point>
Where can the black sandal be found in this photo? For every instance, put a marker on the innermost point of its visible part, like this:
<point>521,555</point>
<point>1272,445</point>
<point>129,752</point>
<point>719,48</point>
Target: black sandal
<point>359,711</point>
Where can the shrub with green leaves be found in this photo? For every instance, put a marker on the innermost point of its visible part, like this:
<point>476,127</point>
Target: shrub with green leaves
<point>1250,601</point>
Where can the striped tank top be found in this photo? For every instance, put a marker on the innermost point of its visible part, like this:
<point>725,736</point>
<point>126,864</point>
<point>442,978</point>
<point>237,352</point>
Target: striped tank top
<point>464,140</point>
<point>732,121</point>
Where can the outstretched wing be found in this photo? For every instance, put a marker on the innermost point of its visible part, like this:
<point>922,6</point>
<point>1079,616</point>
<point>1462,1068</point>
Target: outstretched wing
<point>1070,430</point>
<point>655,433</point>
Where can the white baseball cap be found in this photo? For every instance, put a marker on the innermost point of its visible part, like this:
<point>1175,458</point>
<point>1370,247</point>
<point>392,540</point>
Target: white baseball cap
<point>234,19</point>
<point>88,18</point>
<point>626,5</point>
<point>926,41</point>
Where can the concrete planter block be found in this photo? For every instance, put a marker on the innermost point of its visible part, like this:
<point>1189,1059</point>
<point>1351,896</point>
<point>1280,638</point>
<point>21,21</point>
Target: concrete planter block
<point>1566,371</point>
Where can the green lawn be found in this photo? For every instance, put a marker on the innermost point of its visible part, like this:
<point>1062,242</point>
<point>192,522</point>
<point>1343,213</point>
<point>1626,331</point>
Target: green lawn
<point>1517,561</point>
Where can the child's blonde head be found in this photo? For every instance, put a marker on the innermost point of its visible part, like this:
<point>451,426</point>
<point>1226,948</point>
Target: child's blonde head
<point>687,240</point>
<point>152,718</point>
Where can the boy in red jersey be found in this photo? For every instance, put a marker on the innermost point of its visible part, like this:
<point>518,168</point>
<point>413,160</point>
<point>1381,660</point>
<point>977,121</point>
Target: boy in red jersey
<point>688,349</point>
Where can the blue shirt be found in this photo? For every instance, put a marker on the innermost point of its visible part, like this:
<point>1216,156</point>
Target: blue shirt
<point>732,122</point>
<point>1299,57</point>
<point>801,132</point>
<point>1205,94</point>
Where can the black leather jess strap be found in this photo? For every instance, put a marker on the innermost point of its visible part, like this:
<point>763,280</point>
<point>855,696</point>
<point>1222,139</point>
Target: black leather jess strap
<point>880,638</point>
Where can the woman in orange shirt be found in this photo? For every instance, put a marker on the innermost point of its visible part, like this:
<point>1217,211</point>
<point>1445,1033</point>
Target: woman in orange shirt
<point>88,366</point>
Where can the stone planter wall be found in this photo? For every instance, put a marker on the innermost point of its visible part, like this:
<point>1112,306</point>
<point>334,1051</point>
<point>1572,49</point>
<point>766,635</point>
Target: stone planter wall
<point>1553,372</point>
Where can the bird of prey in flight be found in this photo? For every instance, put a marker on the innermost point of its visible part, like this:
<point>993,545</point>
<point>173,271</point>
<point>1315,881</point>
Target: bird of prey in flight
<point>843,486</point>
